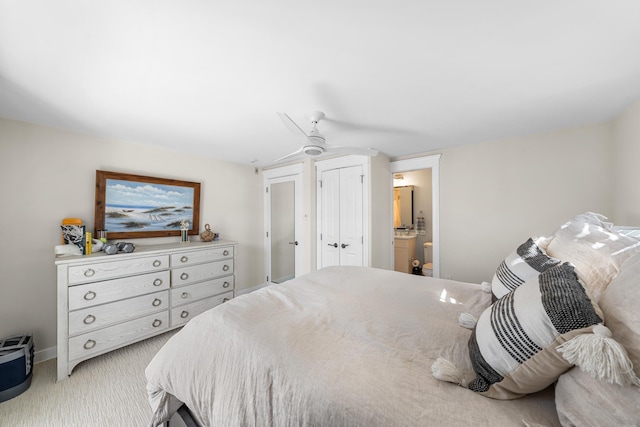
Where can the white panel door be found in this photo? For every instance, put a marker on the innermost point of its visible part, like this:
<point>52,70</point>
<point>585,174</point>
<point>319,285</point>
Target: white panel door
<point>330,202</point>
<point>341,217</point>
<point>283,223</point>
<point>351,216</point>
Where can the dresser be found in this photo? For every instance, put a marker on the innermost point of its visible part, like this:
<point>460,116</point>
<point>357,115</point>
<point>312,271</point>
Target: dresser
<point>109,301</point>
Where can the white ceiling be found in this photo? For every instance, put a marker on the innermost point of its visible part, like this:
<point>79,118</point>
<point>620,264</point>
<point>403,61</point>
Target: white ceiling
<point>404,76</point>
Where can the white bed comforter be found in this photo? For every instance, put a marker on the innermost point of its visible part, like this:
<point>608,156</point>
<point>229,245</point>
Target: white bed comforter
<point>343,346</point>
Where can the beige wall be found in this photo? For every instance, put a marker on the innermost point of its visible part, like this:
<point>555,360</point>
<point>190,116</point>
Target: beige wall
<point>626,174</point>
<point>49,174</point>
<point>380,219</point>
<point>495,195</point>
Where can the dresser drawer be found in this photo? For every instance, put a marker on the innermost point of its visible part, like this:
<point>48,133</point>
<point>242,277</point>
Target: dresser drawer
<point>181,315</point>
<point>197,273</point>
<point>90,294</point>
<point>91,318</point>
<point>92,343</point>
<point>190,293</point>
<point>198,257</point>
<point>111,269</point>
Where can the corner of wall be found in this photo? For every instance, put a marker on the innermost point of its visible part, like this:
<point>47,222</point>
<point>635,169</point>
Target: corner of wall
<point>626,174</point>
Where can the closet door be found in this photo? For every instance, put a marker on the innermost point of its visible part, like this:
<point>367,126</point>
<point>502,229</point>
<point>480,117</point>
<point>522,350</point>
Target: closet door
<point>330,214</point>
<point>341,217</point>
<point>351,216</point>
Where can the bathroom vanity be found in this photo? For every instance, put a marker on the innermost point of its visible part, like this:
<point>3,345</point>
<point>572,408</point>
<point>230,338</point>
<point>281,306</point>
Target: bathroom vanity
<point>404,251</point>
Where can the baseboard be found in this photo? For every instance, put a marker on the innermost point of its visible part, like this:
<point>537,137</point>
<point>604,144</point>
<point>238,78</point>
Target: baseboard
<point>46,354</point>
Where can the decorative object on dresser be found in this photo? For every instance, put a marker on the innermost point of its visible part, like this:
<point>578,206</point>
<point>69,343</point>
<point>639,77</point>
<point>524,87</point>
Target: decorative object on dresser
<point>207,235</point>
<point>74,235</point>
<point>108,302</point>
<point>136,206</point>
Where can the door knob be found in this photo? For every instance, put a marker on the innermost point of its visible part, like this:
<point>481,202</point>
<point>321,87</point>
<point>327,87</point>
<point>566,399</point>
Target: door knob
<point>335,245</point>
<point>344,245</point>
<point>294,243</point>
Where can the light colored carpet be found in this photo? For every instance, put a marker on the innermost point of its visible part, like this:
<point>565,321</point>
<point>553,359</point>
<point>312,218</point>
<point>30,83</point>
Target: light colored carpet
<point>109,390</point>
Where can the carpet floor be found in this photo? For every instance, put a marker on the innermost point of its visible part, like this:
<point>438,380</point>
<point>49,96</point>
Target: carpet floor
<point>109,390</point>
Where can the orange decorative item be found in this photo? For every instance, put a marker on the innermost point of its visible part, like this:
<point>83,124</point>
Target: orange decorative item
<point>207,235</point>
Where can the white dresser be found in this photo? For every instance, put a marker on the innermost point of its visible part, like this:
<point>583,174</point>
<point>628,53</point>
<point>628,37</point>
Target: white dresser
<point>108,301</point>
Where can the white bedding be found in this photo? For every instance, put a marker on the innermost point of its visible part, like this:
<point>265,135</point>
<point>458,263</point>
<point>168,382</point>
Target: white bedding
<point>343,346</point>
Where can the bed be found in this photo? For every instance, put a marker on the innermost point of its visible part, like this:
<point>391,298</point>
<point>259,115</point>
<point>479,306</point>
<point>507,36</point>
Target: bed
<point>356,346</point>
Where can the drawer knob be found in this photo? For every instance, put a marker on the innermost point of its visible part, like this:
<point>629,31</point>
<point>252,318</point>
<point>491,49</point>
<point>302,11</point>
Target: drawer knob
<point>184,314</point>
<point>225,267</point>
<point>89,272</point>
<point>156,323</point>
<point>226,284</point>
<point>184,276</point>
<point>225,253</point>
<point>89,319</point>
<point>157,263</point>
<point>157,282</point>
<point>156,302</point>
<point>89,344</point>
<point>184,258</point>
<point>89,295</point>
<point>184,295</point>
<point>225,300</point>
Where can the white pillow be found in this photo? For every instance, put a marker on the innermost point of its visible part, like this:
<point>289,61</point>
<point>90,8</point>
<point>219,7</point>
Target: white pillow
<point>595,249</point>
<point>582,399</point>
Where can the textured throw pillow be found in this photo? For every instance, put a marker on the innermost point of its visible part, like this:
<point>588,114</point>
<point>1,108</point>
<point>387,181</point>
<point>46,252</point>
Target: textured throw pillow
<point>513,346</point>
<point>582,400</point>
<point>595,249</point>
<point>525,263</point>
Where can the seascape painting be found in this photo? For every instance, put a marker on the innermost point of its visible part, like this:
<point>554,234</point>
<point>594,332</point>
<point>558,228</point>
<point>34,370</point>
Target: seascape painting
<point>143,206</point>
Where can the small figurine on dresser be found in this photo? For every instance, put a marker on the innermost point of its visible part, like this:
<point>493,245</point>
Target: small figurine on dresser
<point>184,230</point>
<point>207,235</point>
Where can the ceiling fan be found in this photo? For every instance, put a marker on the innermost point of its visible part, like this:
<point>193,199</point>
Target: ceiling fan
<point>314,143</point>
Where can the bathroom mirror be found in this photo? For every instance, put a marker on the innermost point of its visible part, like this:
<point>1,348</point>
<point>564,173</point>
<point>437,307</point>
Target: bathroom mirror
<point>403,206</point>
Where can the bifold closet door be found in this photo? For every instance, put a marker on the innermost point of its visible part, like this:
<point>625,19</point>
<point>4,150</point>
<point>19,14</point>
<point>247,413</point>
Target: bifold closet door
<point>342,233</point>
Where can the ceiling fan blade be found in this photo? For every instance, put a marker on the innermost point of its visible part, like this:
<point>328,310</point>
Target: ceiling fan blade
<point>291,125</point>
<point>290,155</point>
<point>371,152</point>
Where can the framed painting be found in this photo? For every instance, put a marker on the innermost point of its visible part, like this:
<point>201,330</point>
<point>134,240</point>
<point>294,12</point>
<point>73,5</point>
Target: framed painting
<point>135,206</point>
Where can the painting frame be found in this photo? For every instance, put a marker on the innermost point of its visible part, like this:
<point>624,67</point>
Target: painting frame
<point>105,213</point>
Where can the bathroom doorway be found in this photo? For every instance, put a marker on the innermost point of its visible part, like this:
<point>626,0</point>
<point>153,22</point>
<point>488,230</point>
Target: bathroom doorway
<point>418,177</point>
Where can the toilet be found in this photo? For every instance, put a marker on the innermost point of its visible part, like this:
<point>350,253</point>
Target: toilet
<point>427,268</point>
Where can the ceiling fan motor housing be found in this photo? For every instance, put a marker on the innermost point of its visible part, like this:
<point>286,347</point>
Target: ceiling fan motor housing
<point>313,150</point>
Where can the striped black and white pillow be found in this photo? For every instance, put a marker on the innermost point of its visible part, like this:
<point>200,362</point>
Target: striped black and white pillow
<point>513,346</point>
<point>525,263</point>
